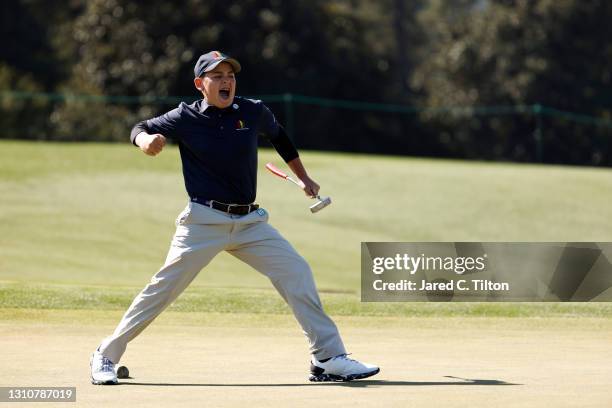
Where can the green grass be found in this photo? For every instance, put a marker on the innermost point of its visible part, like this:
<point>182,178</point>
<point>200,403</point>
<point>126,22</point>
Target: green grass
<point>103,214</point>
<point>266,301</point>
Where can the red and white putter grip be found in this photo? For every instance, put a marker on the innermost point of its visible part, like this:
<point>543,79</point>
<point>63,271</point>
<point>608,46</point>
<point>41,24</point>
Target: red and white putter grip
<point>276,170</point>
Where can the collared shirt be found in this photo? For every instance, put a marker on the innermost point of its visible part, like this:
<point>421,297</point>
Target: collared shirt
<point>218,147</point>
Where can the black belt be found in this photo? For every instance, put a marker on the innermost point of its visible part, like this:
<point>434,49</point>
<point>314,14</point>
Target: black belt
<point>238,209</point>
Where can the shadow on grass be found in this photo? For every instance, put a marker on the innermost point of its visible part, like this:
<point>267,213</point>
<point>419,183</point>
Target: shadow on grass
<point>360,383</point>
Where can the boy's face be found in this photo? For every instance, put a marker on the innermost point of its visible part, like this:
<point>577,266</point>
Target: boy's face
<point>218,85</point>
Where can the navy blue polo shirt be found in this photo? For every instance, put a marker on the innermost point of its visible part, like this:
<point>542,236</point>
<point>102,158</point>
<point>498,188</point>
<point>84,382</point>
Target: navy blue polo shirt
<point>218,147</point>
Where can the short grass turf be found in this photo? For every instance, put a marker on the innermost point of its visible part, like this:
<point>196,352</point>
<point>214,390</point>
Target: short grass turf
<point>97,216</point>
<point>19,297</point>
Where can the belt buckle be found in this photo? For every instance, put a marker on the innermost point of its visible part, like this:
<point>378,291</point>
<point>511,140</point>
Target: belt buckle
<point>229,208</point>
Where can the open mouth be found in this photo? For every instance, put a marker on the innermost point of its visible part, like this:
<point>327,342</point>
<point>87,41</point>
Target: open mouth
<point>224,94</point>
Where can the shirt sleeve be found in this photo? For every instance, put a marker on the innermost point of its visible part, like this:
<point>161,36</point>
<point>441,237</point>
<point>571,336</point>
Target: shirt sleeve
<point>166,125</point>
<point>268,126</point>
<point>284,146</point>
<point>138,129</point>
<point>273,132</point>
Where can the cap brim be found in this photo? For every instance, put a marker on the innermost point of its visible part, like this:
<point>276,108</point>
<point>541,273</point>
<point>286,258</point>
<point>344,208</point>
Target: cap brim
<point>234,63</point>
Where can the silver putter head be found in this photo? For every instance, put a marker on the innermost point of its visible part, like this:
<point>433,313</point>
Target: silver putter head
<point>320,204</point>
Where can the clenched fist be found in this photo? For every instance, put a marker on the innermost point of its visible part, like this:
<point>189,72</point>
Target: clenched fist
<point>151,144</point>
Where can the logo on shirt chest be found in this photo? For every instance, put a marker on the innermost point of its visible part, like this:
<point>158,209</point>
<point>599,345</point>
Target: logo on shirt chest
<point>240,125</point>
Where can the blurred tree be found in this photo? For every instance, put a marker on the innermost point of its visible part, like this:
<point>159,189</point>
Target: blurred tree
<point>339,49</point>
<point>29,62</point>
<point>436,53</point>
<point>22,118</point>
<point>25,42</point>
<point>555,53</point>
<point>348,49</point>
<point>115,56</point>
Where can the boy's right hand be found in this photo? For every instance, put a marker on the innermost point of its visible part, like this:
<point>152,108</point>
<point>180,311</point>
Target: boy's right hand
<point>151,144</point>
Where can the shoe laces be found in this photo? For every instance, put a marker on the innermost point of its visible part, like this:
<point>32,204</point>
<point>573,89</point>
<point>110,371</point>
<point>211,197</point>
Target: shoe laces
<point>107,365</point>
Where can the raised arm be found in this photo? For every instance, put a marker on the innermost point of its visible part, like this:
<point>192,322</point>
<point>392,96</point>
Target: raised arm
<point>150,135</point>
<point>151,144</point>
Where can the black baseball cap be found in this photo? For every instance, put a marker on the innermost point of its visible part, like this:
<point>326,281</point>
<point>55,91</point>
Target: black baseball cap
<point>208,62</point>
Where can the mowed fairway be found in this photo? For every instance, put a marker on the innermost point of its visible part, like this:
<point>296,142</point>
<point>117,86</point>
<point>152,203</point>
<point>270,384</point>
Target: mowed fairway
<point>104,214</point>
<point>84,226</point>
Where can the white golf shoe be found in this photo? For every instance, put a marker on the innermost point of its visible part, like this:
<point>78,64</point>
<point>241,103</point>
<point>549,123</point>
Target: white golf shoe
<point>102,370</point>
<point>340,368</point>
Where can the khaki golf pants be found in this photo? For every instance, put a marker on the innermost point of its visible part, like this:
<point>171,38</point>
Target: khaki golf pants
<point>202,233</point>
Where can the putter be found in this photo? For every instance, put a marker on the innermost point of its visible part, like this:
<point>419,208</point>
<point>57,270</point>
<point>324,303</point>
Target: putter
<point>316,207</point>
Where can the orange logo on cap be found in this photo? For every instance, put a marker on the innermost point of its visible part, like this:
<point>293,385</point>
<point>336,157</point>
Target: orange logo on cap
<point>217,54</point>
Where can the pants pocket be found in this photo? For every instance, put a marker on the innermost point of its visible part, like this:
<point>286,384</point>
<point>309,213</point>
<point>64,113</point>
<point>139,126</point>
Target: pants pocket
<point>183,217</point>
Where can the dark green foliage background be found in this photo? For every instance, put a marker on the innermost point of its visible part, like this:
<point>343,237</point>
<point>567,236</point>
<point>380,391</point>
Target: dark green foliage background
<point>426,54</point>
